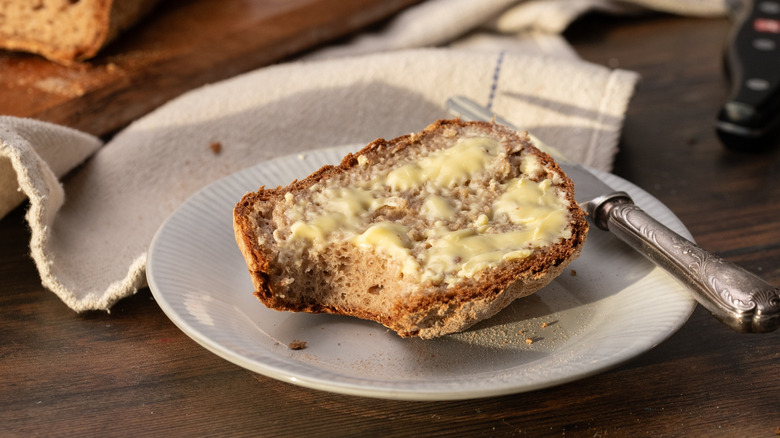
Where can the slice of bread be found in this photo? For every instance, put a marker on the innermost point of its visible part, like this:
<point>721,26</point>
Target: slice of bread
<point>427,233</point>
<point>67,30</point>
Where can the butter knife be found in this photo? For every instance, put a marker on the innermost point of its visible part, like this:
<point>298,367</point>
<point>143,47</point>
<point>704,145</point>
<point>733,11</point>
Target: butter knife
<point>736,297</point>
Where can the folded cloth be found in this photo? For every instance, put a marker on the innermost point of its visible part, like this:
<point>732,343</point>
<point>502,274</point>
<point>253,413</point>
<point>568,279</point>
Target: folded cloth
<point>439,22</point>
<point>91,229</point>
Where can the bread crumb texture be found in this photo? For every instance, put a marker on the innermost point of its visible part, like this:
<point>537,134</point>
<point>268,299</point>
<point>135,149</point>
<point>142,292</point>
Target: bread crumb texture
<point>427,233</point>
<point>296,344</point>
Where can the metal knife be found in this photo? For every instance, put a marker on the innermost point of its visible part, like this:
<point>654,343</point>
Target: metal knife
<point>736,297</point>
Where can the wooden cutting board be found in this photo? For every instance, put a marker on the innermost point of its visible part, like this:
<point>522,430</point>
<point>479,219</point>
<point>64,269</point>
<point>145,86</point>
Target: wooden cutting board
<point>180,46</point>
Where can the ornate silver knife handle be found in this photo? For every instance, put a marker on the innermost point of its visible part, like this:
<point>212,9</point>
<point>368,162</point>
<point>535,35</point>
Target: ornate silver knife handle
<point>738,298</point>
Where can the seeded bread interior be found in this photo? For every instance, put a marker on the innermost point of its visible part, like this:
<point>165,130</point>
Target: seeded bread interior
<point>427,233</point>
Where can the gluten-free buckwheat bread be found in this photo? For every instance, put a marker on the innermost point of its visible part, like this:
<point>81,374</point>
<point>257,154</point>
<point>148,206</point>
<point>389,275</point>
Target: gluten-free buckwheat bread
<point>66,30</point>
<point>427,233</point>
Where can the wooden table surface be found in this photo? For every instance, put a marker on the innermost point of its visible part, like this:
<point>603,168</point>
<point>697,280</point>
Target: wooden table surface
<point>132,372</point>
<point>181,45</point>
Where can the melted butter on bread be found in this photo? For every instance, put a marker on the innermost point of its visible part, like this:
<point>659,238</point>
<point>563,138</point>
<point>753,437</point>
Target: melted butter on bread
<point>527,214</point>
<point>447,167</point>
<point>448,242</point>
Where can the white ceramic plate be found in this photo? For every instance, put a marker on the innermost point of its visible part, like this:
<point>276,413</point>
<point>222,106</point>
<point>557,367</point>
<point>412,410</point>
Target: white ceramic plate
<point>609,306</point>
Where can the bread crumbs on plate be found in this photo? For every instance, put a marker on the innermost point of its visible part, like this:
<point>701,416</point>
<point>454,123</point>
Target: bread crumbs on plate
<point>296,344</point>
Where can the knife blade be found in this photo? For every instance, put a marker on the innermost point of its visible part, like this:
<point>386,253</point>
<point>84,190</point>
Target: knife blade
<point>735,296</point>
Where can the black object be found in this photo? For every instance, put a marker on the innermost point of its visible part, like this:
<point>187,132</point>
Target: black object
<point>751,116</point>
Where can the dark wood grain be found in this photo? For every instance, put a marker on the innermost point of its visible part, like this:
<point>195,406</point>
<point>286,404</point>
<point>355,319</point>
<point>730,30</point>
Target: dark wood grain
<point>132,372</point>
<point>180,46</point>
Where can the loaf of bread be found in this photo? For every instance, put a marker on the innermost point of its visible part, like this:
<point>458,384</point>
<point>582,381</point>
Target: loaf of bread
<point>427,233</point>
<point>66,30</point>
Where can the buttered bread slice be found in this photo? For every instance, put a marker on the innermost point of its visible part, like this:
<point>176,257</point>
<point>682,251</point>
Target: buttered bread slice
<point>427,233</point>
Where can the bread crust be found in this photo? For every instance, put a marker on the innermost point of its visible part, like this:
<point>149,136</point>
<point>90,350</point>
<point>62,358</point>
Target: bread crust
<point>66,32</point>
<point>425,315</point>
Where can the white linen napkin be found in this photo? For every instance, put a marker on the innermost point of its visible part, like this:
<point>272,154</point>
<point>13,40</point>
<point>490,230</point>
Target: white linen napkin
<point>91,226</point>
<point>438,22</point>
